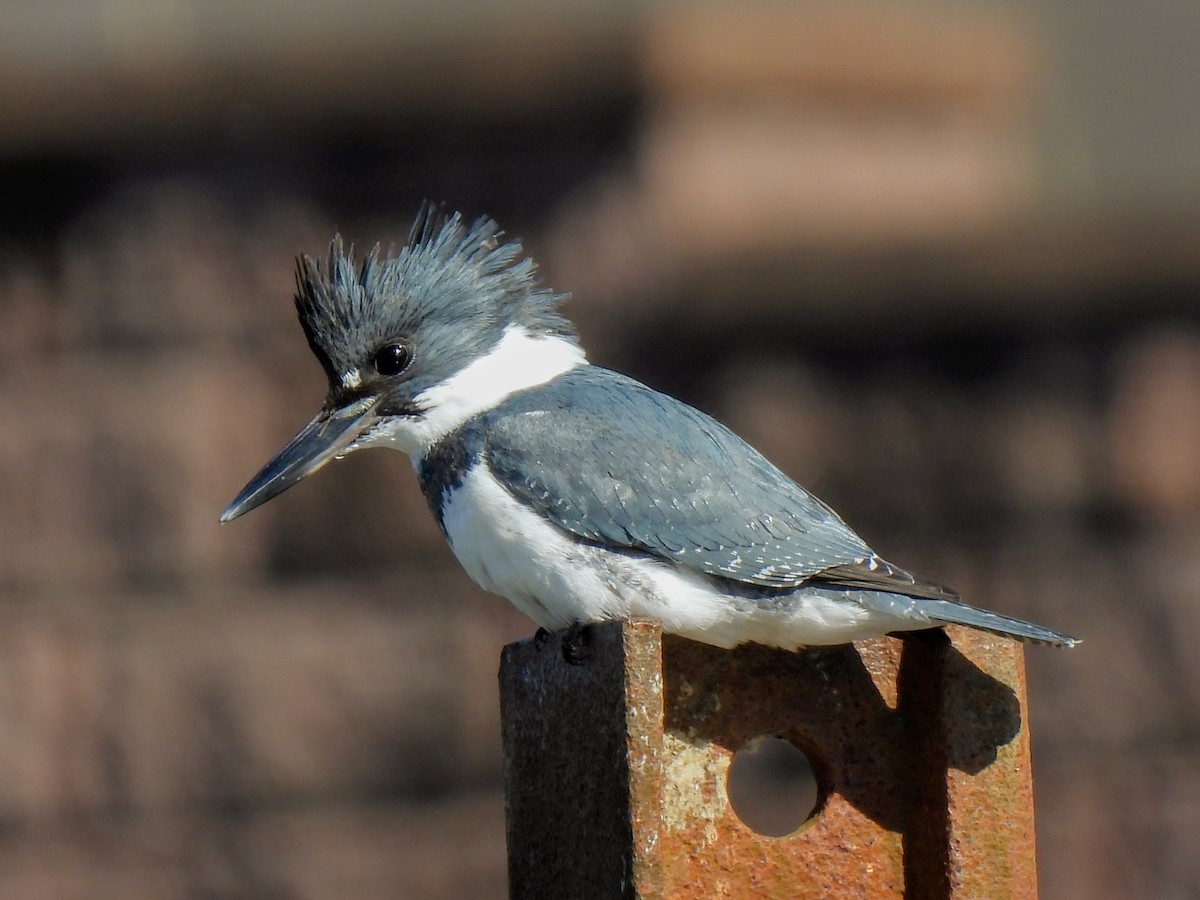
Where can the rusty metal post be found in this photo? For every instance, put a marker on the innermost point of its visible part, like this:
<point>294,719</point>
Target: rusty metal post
<point>615,770</point>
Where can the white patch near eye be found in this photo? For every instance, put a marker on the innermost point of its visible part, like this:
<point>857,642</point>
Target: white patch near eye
<point>352,380</point>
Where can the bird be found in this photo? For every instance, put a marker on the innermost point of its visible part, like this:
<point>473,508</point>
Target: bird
<point>577,493</point>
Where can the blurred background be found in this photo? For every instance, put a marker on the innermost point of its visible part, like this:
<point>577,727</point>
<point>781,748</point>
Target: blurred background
<point>940,261</point>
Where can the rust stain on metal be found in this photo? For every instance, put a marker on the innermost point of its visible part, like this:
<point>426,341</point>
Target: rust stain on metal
<point>991,845</point>
<point>616,770</point>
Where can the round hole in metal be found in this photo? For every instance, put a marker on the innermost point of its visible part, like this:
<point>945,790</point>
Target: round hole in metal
<point>772,786</point>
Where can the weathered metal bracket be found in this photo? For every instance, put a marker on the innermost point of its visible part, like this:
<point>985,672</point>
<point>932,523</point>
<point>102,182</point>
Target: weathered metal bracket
<point>615,769</point>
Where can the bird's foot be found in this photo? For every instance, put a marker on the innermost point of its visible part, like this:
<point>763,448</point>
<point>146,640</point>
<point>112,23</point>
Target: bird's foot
<point>577,644</point>
<point>540,638</point>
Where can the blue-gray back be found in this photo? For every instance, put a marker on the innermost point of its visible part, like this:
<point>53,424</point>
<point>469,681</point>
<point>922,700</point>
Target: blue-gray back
<point>617,463</point>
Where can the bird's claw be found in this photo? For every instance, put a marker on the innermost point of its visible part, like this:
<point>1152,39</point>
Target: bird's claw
<point>577,644</point>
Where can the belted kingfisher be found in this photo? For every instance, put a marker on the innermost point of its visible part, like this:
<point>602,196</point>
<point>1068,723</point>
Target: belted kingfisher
<point>576,492</point>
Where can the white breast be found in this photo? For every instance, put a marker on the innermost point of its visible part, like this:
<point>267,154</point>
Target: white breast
<point>510,550</point>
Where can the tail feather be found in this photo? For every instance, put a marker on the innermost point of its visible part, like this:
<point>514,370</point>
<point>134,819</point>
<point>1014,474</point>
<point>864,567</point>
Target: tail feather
<point>951,612</point>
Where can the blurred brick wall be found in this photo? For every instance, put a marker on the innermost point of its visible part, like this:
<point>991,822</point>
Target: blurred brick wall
<point>303,703</point>
<point>179,721</point>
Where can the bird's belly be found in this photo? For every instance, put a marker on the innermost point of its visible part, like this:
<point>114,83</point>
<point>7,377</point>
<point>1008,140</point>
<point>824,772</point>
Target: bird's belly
<point>510,550</point>
<point>556,580</point>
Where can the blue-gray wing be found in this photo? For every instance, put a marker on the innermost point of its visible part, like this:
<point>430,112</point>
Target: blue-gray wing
<point>617,463</point>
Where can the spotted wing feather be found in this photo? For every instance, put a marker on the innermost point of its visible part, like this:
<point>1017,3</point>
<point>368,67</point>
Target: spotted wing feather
<point>617,463</point>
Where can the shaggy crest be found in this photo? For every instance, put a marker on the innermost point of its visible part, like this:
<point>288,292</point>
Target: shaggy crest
<point>446,275</point>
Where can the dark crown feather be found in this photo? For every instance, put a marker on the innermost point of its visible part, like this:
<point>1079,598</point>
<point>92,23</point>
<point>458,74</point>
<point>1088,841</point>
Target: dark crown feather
<point>445,274</point>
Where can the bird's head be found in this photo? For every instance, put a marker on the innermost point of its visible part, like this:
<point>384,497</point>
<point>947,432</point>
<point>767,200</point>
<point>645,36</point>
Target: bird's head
<point>415,342</point>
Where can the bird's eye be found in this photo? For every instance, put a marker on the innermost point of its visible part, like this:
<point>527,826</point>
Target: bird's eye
<point>392,359</point>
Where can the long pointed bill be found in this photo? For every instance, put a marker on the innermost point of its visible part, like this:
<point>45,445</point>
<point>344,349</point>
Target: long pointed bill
<point>330,433</point>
